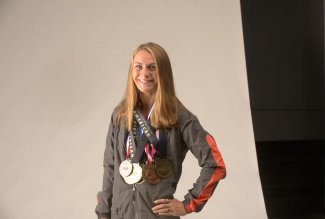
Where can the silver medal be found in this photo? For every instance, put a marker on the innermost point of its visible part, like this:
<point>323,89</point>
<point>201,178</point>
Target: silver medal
<point>135,176</point>
<point>125,168</point>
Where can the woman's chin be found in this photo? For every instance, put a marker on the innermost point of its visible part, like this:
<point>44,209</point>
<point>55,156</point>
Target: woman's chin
<point>147,89</point>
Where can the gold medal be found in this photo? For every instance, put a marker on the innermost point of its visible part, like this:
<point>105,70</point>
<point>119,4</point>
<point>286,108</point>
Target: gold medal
<point>164,168</point>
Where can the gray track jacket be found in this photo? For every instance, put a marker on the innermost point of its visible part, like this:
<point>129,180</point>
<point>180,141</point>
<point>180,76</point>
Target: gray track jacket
<point>119,200</point>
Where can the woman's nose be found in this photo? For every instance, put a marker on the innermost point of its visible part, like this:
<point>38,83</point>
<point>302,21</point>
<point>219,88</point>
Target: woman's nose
<point>146,72</point>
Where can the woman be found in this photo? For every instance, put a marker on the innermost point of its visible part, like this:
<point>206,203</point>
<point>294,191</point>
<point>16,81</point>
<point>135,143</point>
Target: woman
<point>149,135</point>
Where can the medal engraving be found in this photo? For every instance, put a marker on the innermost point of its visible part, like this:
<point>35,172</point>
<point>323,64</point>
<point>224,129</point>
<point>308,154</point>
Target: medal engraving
<point>164,168</point>
<point>125,168</point>
<point>151,175</point>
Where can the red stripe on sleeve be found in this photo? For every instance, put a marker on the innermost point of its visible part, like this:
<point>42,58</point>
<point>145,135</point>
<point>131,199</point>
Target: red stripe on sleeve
<point>217,175</point>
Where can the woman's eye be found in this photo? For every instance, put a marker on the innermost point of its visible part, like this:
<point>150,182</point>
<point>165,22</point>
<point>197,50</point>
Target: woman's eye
<point>152,68</point>
<point>138,67</point>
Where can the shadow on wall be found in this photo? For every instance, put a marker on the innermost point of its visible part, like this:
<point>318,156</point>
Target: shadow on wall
<point>2,213</point>
<point>3,4</point>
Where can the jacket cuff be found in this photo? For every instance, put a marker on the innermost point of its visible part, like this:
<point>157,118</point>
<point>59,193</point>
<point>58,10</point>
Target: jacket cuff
<point>102,210</point>
<point>102,216</point>
<point>187,207</point>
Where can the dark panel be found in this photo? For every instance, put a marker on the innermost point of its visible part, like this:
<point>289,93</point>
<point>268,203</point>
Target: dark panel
<point>284,53</point>
<point>284,47</point>
<point>288,125</point>
<point>292,177</point>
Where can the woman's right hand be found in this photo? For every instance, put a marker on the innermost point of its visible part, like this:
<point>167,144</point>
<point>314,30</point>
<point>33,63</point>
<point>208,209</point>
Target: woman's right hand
<point>169,207</point>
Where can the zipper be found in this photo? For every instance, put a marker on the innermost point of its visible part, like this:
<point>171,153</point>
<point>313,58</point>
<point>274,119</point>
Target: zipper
<point>133,201</point>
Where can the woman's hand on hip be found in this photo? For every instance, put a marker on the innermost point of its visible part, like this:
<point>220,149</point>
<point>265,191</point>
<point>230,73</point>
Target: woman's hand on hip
<point>169,207</point>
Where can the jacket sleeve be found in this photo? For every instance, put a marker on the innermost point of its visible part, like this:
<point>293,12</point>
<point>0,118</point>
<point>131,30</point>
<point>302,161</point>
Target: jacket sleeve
<point>213,169</point>
<point>104,197</point>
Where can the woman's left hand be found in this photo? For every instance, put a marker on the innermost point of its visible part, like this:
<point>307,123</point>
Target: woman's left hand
<point>169,207</point>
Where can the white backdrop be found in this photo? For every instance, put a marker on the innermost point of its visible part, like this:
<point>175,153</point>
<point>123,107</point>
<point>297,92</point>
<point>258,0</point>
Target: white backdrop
<point>63,68</point>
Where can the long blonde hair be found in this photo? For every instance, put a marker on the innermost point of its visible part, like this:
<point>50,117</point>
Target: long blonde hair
<point>165,112</point>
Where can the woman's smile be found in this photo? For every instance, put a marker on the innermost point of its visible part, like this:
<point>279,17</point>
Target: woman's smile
<point>145,81</point>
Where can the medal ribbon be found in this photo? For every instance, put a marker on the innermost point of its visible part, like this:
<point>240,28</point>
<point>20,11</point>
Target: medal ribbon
<point>150,153</point>
<point>152,148</point>
<point>145,127</point>
<point>135,153</point>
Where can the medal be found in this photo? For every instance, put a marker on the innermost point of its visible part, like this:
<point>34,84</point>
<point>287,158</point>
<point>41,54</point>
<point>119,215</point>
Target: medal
<point>125,168</point>
<point>142,179</point>
<point>164,168</point>
<point>135,176</point>
<point>151,175</point>
<point>145,168</point>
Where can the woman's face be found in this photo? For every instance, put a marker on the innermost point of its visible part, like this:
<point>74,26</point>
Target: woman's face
<point>144,72</point>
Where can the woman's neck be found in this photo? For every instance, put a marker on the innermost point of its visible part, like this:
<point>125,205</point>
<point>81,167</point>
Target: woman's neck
<point>147,101</point>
